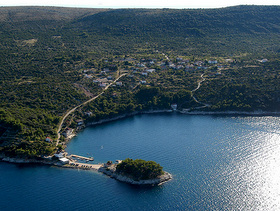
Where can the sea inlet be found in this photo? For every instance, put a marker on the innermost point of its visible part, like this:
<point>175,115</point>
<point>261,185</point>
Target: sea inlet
<point>218,162</point>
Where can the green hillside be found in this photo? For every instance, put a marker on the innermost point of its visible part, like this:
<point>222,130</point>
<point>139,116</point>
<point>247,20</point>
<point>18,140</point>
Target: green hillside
<point>50,58</point>
<point>233,29</point>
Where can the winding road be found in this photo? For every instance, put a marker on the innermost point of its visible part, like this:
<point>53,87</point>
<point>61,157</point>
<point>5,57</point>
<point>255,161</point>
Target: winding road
<point>204,105</point>
<point>93,98</point>
<point>84,103</point>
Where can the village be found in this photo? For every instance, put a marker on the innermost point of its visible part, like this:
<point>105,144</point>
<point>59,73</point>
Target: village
<point>142,69</point>
<point>149,70</point>
<point>138,71</point>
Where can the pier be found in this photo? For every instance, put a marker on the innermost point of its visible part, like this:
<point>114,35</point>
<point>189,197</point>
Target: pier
<point>84,166</point>
<point>82,157</point>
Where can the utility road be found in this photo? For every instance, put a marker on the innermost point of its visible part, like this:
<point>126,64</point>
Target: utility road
<point>84,103</point>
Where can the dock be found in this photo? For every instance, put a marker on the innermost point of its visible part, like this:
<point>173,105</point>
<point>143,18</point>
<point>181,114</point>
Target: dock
<point>84,166</point>
<point>82,157</point>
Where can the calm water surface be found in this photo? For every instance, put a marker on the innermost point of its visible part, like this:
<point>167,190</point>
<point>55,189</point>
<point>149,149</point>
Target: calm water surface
<point>218,163</point>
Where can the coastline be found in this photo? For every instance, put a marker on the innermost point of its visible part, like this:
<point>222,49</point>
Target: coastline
<point>187,112</point>
<point>127,115</point>
<point>249,113</point>
<point>42,161</point>
<point>50,162</point>
<point>94,167</point>
<point>26,161</point>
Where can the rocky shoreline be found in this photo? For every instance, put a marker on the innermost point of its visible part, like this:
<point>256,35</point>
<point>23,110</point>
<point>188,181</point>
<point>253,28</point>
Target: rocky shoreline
<point>252,113</point>
<point>18,160</point>
<point>186,111</point>
<point>100,168</point>
<point>26,161</point>
<point>167,176</point>
<point>151,182</point>
<point>127,115</point>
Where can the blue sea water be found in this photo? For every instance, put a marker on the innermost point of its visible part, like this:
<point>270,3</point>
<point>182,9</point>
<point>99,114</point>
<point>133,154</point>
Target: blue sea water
<point>218,163</point>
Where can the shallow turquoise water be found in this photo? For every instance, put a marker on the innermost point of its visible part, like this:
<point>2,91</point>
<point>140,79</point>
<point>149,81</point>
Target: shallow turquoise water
<point>218,163</point>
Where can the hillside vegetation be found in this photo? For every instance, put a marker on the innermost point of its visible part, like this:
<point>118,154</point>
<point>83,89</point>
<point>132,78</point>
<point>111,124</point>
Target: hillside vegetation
<point>53,59</point>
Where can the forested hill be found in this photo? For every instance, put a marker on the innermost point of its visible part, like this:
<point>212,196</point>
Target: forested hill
<point>235,29</point>
<point>241,28</point>
<point>202,22</point>
<point>238,19</point>
<point>29,14</point>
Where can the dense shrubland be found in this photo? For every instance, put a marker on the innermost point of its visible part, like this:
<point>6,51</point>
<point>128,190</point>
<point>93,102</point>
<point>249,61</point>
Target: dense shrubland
<point>44,51</point>
<point>139,169</point>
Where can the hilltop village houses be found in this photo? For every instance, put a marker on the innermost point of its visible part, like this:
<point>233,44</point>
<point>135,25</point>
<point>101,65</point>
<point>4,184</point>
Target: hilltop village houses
<point>144,67</point>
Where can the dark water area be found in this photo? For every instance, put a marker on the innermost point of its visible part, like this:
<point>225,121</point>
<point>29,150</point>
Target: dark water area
<point>218,163</point>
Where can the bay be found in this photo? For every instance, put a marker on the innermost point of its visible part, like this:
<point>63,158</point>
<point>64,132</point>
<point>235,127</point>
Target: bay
<point>218,163</point>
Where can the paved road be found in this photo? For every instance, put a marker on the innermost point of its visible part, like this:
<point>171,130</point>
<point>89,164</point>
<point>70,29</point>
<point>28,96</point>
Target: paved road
<point>84,103</point>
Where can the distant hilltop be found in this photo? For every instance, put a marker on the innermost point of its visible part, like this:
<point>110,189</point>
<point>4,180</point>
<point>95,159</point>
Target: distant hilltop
<point>159,23</point>
<point>217,29</point>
